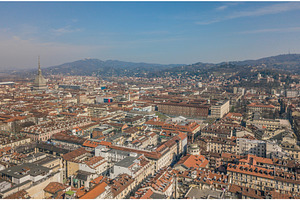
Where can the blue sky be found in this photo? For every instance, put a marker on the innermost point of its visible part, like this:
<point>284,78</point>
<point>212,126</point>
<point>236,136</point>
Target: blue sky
<point>154,32</point>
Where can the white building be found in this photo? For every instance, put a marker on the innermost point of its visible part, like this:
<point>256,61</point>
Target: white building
<point>271,124</point>
<point>129,165</point>
<point>273,150</point>
<point>291,93</point>
<point>111,155</point>
<point>248,146</point>
<point>220,109</point>
<point>96,165</point>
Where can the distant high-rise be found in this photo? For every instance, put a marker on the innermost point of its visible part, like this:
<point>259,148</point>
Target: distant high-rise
<point>40,82</point>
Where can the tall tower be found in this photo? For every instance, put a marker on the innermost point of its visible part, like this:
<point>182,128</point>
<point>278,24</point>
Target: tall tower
<point>40,82</point>
<point>39,66</point>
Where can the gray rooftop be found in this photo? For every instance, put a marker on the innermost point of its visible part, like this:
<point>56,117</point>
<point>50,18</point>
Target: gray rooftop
<point>23,170</point>
<point>83,175</point>
<point>158,196</point>
<point>195,193</point>
<point>34,157</point>
<point>120,152</point>
<point>126,162</point>
<point>116,136</point>
<point>45,160</point>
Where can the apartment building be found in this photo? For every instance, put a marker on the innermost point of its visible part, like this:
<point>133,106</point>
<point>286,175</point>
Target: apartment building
<point>30,177</point>
<point>100,191</point>
<point>263,179</point>
<point>161,184</point>
<point>45,131</point>
<point>184,109</point>
<point>191,161</point>
<point>192,129</point>
<point>220,109</point>
<point>204,178</point>
<point>137,166</point>
<point>270,124</point>
<point>73,159</point>
<point>248,146</point>
<point>253,107</point>
<point>162,155</point>
<point>122,185</point>
<point>216,131</point>
<point>220,145</point>
<point>8,139</point>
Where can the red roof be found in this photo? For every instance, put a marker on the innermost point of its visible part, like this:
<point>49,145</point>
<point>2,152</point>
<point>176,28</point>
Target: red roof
<point>54,187</point>
<point>89,143</point>
<point>74,154</point>
<point>195,161</point>
<point>261,105</point>
<point>142,194</point>
<point>95,192</point>
<point>105,143</point>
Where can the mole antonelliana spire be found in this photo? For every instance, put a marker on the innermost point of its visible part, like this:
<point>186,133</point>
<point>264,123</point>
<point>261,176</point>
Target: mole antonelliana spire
<point>40,82</point>
<point>39,64</point>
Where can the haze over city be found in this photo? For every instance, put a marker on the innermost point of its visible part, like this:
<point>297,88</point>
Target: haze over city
<point>149,100</point>
<point>153,32</point>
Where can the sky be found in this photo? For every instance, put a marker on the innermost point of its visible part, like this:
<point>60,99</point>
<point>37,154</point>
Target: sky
<point>152,32</point>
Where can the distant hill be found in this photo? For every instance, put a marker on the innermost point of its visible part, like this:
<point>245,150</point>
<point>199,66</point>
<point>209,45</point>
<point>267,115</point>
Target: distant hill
<point>105,68</point>
<point>87,67</point>
<point>288,62</point>
<point>285,62</point>
<point>287,59</point>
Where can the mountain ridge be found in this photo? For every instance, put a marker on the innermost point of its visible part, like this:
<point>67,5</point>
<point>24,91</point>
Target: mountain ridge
<point>93,66</point>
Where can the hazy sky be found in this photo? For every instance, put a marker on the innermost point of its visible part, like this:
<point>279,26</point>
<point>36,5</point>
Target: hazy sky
<point>155,32</point>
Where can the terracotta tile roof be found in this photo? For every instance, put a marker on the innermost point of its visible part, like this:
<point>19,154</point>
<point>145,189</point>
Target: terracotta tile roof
<point>231,114</point>
<point>190,127</point>
<point>68,138</point>
<point>250,137</point>
<point>19,195</point>
<point>155,123</point>
<point>5,149</point>
<point>80,193</point>
<point>257,160</point>
<point>260,105</point>
<point>277,195</point>
<point>54,187</point>
<point>95,192</point>
<point>97,180</point>
<point>249,192</point>
<point>182,135</point>
<point>204,176</point>
<point>16,118</point>
<point>71,156</point>
<point>105,143</point>
<point>120,183</point>
<point>59,195</point>
<point>166,133</point>
<point>251,170</point>
<point>195,161</point>
<point>152,155</point>
<point>258,194</point>
<point>93,144</point>
<point>278,175</point>
<point>160,182</point>
<point>91,162</point>
<point>142,194</point>
<point>131,130</point>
